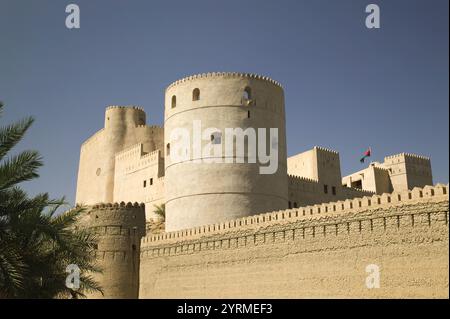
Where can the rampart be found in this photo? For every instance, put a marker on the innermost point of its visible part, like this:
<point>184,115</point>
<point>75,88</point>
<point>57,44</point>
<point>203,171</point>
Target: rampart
<point>314,251</point>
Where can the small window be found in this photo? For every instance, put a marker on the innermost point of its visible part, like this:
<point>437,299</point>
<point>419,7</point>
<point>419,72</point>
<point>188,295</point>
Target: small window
<point>295,205</point>
<point>216,138</point>
<point>174,101</point>
<point>325,189</point>
<point>248,114</point>
<point>151,181</point>
<point>168,149</point>
<point>196,94</point>
<point>357,184</point>
<point>290,204</point>
<point>333,190</point>
<point>145,183</point>
<point>247,95</point>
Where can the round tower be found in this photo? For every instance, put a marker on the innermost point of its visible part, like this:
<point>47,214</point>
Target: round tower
<point>118,123</point>
<point>119,228</point>
<point>204,182</point>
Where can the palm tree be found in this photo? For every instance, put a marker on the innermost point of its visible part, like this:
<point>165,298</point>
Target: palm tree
<point>160,210</point>
<point>36,243</point>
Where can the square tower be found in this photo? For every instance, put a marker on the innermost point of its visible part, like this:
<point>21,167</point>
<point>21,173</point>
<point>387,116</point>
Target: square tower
<point>408,171</point>
<point>320,164</point>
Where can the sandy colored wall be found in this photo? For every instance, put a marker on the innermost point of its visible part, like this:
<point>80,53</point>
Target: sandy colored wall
<point>304,191</point>
<point>318,251</point>
<point>303,165</point>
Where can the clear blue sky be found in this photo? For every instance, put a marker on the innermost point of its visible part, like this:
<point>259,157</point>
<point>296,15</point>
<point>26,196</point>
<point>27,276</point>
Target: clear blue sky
<point>346,87</point>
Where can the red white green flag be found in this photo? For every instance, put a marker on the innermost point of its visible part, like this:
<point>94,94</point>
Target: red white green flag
<point>366,154</point>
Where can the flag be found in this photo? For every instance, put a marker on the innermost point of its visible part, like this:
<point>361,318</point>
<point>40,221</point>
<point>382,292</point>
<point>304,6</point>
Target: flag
<point>366,154</point>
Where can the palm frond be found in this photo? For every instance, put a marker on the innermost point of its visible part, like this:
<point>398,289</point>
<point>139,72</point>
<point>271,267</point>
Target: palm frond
<point>160,210</point>
<point>19,168</point>
<point>11,134</point>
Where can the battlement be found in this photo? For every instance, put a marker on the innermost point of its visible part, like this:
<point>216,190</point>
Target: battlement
<point>115,217</point>
<point>153,127</point>
<point>326,150</point>
<point>152,155</point>
<point>134,158</point>
<point>301,179</point>
<point>224,74</point>
<point>406,155</point>
<point>380,168</point>
<point>118,205</point>
<point>355,189</point>
<point>135,149</point>
<point>436,193</point>
<point>134,107</point>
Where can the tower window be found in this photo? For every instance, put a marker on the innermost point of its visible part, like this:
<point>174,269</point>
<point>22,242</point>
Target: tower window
<point>325,189</point>
<point>248,114</point>
<point>151,181</point>
<point>145,183</point>
<point>168,149</point>
<point>333,190</point>
<point>174,101</point>
<point>196,94</point>
<point>357,184</point>
<point>290,204</point>
<point>216,138</point>
<point>295,205</point>
<point>247,95</point>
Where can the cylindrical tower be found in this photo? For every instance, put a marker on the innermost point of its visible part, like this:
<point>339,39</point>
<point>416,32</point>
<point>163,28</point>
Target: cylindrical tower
<point>119,121</point>
<point>119,228</point>
<point>205,183</point>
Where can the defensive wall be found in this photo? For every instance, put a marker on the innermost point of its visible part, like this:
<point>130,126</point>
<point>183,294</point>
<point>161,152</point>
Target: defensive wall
<point>314,251</point>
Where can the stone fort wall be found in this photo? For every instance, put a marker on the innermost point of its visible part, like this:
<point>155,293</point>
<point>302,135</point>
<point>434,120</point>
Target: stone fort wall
<point>314,251</point>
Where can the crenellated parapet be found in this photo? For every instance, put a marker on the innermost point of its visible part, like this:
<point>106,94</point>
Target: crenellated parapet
<point>293,179</point>
<point>211,75</point>
<point>122,107</point>
<point>326,150</point>
<point>399,156</point>
<point>312,213</point>
<point>116,219</point>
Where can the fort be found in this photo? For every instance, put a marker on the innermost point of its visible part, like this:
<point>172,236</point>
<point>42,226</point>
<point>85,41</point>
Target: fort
<point>231,232</point>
